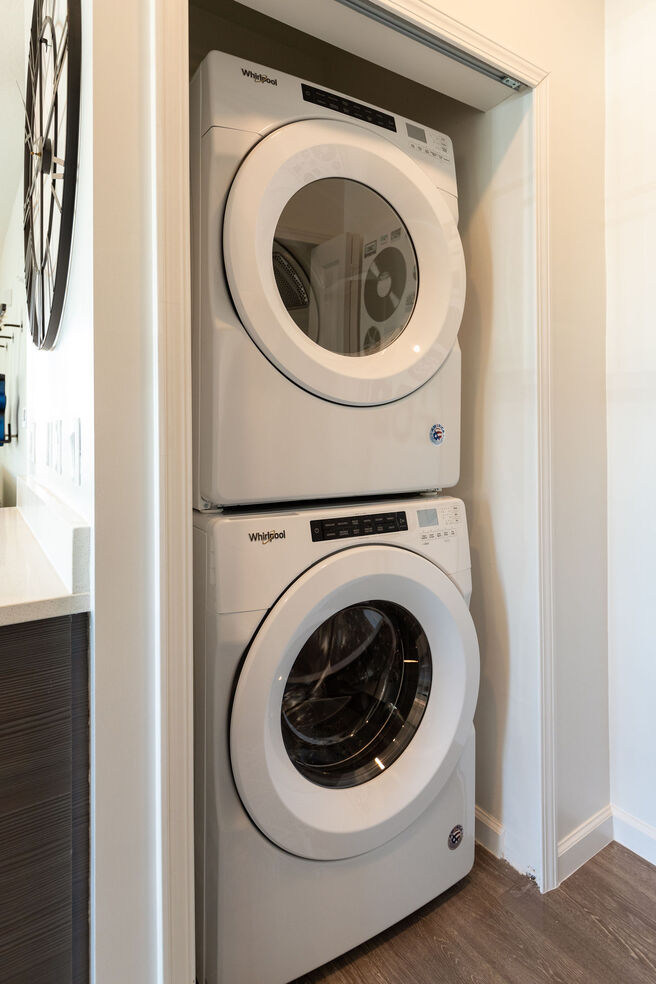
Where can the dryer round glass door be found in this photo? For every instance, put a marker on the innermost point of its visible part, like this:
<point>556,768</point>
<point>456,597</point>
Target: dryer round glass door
<point>344,262</point>
<point>355,255</point>
<point>354,702</point>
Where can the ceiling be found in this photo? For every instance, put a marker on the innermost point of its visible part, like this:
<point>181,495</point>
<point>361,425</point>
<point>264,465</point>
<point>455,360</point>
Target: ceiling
<point>12,70</point>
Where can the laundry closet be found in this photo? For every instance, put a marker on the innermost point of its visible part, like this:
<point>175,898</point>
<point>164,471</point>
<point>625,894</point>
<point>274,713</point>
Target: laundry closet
<point>494,437</point>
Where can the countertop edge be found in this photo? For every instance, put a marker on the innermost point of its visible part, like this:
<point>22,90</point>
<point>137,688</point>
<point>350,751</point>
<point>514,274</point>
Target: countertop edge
<point>42,608</point>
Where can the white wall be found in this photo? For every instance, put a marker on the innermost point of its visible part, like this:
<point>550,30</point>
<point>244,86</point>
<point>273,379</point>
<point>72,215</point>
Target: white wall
<point>13,457</point>
<point>60,382</point>
<point>55,386</point>
<point>631,359</point>
<point>494,157</point>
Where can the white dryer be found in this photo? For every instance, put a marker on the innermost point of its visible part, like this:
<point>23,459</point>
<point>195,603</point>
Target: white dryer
<point>328,289</point>
<point>336,675</point>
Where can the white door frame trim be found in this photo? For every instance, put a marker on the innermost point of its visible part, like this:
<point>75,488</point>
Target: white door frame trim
<point>173,290</point>
<point>549,831</point>
<point>174,415</point>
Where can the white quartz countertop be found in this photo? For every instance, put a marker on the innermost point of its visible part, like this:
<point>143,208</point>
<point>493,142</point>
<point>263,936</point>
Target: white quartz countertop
<point>30,587</point>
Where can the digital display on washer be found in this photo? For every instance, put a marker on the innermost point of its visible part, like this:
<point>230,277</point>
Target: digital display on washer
<point>427,517</point>
<point>343,527</point>
<point>329,100</point>
<point>416,132</point>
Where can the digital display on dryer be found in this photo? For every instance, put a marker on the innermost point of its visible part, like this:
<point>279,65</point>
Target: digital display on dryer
<point>416,132</point>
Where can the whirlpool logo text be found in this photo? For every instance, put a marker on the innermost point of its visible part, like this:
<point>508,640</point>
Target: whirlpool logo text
<point>258,77</point>
<point>267,537</point>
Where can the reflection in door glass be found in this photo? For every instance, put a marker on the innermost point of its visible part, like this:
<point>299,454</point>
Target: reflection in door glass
<point>345,266</point>
<point>356,694</point>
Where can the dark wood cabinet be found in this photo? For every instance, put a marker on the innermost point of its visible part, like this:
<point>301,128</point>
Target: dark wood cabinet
<point>44,802</point>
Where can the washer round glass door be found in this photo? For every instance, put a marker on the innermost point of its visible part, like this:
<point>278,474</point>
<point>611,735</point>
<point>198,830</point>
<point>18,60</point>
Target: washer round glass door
<point>344,262</point>
<point>354,702</point>
<point>356,694</point>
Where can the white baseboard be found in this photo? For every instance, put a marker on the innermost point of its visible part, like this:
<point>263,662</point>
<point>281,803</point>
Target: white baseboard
<point>489,832</point>
<point>584,842</point>
<point>610,823</point>
<point>634,834</point>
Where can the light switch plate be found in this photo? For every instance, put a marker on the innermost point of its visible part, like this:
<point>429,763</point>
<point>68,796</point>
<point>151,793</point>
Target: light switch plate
<point>57,455</point>
<point>50,444</point>
<point>74,451</point>
<point>32,442</point>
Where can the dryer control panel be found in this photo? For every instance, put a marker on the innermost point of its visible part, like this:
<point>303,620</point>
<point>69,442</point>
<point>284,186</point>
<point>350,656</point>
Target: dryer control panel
<point>340,104</point>
<point>241,95</point>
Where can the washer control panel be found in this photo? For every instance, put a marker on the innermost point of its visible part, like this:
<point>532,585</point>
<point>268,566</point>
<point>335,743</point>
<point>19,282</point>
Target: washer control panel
<point>438,523</point>
<point>369,524</point>
<point>431,524</point>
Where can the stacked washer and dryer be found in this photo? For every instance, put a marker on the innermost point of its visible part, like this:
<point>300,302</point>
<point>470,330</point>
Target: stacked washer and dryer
<point>336,662</point>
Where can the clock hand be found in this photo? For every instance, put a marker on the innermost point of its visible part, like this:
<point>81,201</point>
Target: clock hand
<point>28,196</point>
<point>56,197</point>
<point>27,119</point>
<point>58,74</point>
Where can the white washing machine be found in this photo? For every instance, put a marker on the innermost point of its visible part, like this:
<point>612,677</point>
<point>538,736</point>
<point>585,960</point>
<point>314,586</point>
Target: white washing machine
<point>336,675</point>
<point>328,290</point>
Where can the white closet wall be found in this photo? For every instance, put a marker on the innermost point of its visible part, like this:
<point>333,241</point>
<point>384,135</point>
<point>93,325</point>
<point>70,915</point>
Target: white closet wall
<point>499,481</point>
<point>631,360</point>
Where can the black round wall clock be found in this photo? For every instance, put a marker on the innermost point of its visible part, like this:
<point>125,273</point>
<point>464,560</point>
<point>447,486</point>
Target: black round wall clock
<point>52,119</point>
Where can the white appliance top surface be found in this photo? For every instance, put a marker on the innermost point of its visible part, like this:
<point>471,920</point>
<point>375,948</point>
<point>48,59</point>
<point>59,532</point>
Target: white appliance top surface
<point>239,94</point>
<point>255,555</point>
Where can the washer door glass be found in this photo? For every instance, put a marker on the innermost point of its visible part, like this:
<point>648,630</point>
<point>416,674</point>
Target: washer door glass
<point>356,694</point>
<point>345,266</point>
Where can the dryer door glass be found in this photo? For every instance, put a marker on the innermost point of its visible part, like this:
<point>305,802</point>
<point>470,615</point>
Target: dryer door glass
<point>356,694</point>
<point>345,266</point>
<point>337,244</point>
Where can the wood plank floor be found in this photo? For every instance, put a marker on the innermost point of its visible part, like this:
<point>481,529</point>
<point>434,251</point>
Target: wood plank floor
<point>494,927</point>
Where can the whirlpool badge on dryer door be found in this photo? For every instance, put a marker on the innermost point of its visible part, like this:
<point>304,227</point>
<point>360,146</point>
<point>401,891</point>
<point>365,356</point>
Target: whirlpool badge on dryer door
<point>329,285</point>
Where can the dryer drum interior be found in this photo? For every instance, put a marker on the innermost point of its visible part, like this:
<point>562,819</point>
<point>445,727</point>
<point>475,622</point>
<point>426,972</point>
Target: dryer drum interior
<point>342,259</point>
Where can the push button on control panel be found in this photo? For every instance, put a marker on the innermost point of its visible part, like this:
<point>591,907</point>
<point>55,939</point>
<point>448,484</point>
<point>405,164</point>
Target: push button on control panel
<point>345,527</point>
